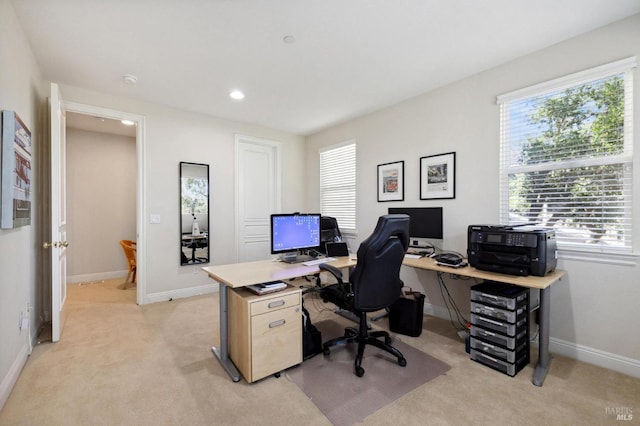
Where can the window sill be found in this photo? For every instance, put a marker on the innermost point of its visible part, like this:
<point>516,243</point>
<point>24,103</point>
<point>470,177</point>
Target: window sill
<point>619,259</point>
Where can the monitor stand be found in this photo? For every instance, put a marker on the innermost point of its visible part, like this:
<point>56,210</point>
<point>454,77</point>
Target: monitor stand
<point>294,257</point>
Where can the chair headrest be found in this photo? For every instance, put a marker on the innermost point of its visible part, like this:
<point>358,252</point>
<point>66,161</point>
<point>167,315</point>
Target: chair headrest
<point>388,226</point>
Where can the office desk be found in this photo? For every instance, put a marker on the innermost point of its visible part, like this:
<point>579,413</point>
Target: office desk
<point>236,275</point>
<point>541,283</point>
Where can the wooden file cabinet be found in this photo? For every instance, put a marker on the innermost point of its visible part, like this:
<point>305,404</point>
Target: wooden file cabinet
<point>265,332</point>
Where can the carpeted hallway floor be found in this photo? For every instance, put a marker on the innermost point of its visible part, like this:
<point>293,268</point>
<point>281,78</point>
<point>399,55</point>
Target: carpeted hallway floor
<point>121,364</point>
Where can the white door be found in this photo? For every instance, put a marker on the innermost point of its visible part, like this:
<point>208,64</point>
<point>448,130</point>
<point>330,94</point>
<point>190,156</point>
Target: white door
<point>58,245</point>
<point>257,195</point>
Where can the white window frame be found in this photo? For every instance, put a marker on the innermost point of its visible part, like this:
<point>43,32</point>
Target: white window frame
<point>625,67</point>
<point>332,163</point>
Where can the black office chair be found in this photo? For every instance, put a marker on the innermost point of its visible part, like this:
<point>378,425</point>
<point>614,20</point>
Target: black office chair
<point>373,284</point>
<point>329,232</point>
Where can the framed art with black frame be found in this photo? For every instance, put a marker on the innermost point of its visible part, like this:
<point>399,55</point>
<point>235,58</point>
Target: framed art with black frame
<point>438,176</point>
<point>391,181</point>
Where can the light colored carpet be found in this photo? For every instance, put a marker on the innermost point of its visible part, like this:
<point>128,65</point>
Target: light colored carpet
<point>121,364</point>
<point>330,382</point>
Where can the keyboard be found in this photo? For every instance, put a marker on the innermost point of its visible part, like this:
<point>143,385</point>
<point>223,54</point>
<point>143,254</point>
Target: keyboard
<point>319,261</point>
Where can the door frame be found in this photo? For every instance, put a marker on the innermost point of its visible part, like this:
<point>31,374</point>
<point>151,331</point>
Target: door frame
<point>141,205</point>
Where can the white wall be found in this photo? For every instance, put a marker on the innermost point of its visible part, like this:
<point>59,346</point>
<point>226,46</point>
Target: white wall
<point>101,203</point>
<point>594,310</point>
<point>20,91</point>
<point>173,136</point>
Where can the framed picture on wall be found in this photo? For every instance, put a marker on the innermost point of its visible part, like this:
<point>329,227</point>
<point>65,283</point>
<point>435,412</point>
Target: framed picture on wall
<point>16,172</point>
<point>438,176</point>
<point>391,181</point>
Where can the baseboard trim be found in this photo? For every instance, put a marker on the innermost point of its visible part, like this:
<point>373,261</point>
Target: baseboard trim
<point>621,364</point>
<point>99,276</point>
<point>180,294</point>
<point>9,381</point>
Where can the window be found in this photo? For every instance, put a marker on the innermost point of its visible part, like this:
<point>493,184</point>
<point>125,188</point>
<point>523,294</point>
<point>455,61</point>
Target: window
<point>338,185</point>
<point>566,158</point>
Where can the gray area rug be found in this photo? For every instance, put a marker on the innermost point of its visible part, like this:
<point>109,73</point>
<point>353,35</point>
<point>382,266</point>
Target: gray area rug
<point>343,397</point>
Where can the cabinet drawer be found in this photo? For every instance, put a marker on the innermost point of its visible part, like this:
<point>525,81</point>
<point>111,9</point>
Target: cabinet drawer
<point>497,351</point>
<point>277,341</point>
<point>500,339</point>
<point>273,303</point>
<point>500,314</point>
<point>508,368</point>
<point>499,326</point>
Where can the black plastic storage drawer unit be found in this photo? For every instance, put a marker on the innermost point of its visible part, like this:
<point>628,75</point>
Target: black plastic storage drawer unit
<point>500,326</point>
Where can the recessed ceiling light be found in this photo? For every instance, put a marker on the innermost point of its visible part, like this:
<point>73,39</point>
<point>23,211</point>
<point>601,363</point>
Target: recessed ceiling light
<point>127,122</point>
<point>236,94</point>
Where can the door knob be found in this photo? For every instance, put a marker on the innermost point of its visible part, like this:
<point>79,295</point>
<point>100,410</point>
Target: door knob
<point>47,245</point>
<point>64,244</point>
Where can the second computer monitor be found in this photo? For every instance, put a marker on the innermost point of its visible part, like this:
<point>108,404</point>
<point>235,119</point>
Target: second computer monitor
<point>425,222</point>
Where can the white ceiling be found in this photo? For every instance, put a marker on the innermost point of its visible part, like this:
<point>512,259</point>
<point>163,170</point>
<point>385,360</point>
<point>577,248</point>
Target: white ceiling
<point>350,57</point>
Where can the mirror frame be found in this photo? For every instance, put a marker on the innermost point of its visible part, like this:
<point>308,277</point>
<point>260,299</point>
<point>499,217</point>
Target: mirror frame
<point>195,242</point>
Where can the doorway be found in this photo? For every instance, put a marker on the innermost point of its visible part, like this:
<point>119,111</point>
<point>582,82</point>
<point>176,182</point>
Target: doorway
<point>100,120</point>
<point>101,198</point>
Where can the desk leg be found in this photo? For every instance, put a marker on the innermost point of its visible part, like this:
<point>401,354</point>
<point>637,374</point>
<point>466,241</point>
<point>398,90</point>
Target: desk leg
<point>222,353</point>
<point>544,358</point>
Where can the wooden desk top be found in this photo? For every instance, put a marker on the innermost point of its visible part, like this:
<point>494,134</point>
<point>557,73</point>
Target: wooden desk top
<point>242,274</point>
<point>469,271</point>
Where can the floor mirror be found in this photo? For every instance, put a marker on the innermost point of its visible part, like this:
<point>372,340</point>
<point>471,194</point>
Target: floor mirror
<point>194,213</point>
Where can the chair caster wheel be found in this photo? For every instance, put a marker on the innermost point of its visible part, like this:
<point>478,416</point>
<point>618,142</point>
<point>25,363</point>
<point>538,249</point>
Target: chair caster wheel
<point>326,351</point>
<point>402,362</point>
<point>359,371</point>
<point>277,375</point>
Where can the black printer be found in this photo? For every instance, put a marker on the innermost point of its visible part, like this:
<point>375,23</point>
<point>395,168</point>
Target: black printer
<point>515,250</point>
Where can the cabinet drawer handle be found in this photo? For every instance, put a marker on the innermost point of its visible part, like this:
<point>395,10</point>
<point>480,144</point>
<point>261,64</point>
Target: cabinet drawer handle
<point>277,323</point>
<point>276,303</point>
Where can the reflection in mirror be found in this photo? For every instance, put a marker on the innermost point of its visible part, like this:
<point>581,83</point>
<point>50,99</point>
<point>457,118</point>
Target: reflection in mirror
<point>194,217</point>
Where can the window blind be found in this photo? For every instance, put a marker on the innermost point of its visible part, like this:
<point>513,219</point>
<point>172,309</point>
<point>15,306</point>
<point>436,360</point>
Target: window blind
<point>566,158</point>
<point>338,185</point>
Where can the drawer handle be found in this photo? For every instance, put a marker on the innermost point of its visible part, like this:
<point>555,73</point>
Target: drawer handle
<point>276,303</point>
<point>491,322</point>
<point>277,323</point>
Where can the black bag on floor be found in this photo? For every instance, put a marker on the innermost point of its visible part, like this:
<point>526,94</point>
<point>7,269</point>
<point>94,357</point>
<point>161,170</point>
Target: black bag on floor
<point>311,337</point>
<point>405,315</point>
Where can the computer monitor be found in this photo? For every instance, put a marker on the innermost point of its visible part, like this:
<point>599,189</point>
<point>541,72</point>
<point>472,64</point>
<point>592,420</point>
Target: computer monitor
<point>292,233</point>
<point>425,222</point>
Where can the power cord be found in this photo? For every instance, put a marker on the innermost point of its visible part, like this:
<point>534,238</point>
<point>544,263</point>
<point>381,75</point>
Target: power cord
<point>451,305</point>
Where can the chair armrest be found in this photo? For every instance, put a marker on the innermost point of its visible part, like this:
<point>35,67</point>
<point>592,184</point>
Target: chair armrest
<point>332,270</point>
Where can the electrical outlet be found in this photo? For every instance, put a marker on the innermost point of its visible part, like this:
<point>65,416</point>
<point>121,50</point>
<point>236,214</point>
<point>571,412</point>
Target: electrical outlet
<point>196,269</point>
<point>23,321</point>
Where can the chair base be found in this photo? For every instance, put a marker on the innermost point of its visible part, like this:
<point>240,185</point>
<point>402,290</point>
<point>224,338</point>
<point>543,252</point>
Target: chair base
<point>364,337</point>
